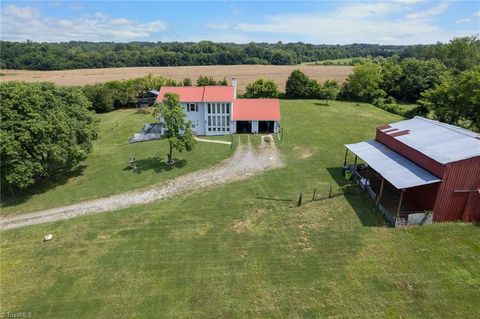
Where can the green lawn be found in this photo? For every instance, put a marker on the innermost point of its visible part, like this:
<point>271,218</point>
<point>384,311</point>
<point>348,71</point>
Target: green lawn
<point>223,253</point>
<point>105,171</point>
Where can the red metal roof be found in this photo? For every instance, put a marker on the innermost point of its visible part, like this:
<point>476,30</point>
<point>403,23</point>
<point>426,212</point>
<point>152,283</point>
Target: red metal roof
<point>256,110</point>
<point>199,93</point>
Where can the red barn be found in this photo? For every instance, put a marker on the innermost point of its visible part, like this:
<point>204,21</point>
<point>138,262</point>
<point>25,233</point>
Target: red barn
<point>421,165</point>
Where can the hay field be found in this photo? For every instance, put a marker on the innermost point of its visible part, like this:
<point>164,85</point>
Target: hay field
<point>244,73</point>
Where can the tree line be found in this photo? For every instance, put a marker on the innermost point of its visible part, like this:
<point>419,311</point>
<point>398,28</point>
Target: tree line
<point>77,55</point>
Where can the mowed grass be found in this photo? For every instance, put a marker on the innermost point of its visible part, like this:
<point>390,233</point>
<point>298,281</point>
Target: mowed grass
<point>105,171</point>
<point>224,253</point>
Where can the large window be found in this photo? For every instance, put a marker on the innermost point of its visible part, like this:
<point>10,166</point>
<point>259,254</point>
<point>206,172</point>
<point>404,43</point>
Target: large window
<point>218,119</point>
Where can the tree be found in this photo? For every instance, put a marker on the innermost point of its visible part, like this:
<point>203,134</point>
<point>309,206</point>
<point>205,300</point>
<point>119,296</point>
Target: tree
<point>329,90</point>
<point>204,80</point>
<point>297,83</point>
<point>392,73</point>
<point>45,129</point>
<point>100,97</point>
<point>187,82</point>
<point>364,83</point>
<point>419,76</point>
<point>176,128</point>
<point>456,100</point>
<point>262,88</point>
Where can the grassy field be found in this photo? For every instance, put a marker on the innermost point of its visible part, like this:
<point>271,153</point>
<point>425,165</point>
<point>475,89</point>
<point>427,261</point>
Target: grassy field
<point>243,73</point>
<point>225,253</point>
<point>105,172</point>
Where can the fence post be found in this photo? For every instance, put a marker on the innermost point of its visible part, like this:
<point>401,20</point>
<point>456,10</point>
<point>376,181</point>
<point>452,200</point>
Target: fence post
<point>231,143</point>
<point>299,199</point>
<point>330,192</point>
<point>314,193</point>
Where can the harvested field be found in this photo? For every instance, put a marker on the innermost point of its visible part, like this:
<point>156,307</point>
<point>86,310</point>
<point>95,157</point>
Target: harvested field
<point>244,73</point>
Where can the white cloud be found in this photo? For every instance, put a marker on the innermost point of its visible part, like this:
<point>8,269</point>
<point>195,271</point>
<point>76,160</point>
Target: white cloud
<point>433,11</point>
<point>22,23</point>
<point>463,21</point>
<point>477,14</point>
<point>353,23</point>
<point>21,12</point>
<point>218,25</point>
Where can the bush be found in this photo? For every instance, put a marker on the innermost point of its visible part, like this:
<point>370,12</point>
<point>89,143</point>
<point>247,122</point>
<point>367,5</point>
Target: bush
<point>262,88</point>
<point>100,97</point>
<point>45,129</point>
<point>297,83</point>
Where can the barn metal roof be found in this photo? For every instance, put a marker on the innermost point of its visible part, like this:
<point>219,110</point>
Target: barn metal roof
<point>212,93</point>
<point>256,110</point>
<point>442,142</point>
<point>398,170</point>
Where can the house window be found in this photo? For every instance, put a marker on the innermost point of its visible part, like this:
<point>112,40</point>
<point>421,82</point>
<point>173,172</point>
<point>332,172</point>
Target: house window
<point>228,108</point>
<point>218,108</point>
<point>192,107</point>
<point>209,108</point>
<point>228,120</point>
<point>214,122</point>
<point>223,120</point>
<point>209,121</point>
<point>193,125</point>
<point>223,107</point>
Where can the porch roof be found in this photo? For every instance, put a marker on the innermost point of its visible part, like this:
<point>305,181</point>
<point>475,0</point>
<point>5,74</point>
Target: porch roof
<point>398,170</point>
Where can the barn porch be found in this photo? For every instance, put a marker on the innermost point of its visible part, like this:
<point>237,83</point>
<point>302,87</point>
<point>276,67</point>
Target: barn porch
<point>402,191</point>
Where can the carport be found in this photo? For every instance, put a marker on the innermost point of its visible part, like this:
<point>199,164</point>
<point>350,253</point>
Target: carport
<point>244,126</point>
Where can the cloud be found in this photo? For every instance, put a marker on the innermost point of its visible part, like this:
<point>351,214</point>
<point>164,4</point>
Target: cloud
<point>373,22</point>
<point>463,21</point>
<point>218,25</point>
<point>477,14</point>
<point>433,11</point>
<point>21,23</point>
<point>21,12</point>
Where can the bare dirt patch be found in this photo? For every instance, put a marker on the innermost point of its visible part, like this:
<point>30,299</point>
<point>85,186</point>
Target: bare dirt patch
<point>244,73</point>
<point>244,163</point>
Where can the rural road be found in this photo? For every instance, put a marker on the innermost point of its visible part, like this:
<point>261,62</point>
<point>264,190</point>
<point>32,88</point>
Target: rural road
<point>244,163</point>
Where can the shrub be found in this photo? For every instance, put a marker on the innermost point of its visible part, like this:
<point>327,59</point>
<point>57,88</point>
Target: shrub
<point>262,88</point>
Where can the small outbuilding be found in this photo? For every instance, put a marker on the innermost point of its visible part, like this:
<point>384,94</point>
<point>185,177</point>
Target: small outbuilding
<point>420,170</point>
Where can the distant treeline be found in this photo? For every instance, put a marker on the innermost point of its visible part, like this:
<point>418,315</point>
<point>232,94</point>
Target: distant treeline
<point>77,55</point>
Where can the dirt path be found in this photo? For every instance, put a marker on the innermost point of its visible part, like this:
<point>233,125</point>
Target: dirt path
<point>244,163</point>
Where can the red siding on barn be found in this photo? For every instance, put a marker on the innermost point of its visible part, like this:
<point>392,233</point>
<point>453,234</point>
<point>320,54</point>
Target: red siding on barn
<point>415,156</point>
<point>422,197</point>
<point>461,175</point>
<point>472,209</point>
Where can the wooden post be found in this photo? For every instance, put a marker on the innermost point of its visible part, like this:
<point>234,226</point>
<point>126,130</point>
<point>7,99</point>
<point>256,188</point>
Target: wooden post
<point>314,193</point>
<point>345,160</point>
<point>299,199</point>
<point>400,203</point>
<point>380,193</point>
<point>355,165</point>
<point>330,192</point>
<point>231,143</point>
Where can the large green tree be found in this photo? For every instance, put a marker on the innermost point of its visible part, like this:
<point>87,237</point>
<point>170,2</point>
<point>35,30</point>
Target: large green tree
<point>419,76</point>
<point>297,85</point>
<point>364,83</point>
<point>262,88</point>
<point>45,129</point>
<point>456,100</point>
<point>176,128</point>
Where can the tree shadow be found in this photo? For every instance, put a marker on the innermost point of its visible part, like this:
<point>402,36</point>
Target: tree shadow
<point>321,103</point>
<point>156,164</point>
<point>43,186</point>
<point>361,203</point>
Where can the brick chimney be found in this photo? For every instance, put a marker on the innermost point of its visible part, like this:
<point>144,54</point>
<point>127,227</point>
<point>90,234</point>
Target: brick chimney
<point>234,84</point>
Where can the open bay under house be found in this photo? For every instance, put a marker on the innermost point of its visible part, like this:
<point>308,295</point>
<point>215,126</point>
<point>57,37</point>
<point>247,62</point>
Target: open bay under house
<point>417,166</point>
<point>216,110</point>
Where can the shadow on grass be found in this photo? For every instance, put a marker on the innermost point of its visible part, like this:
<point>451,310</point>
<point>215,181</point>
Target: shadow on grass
<point>156,164</point>
<point>321,103</point>
<point>361,203</point>
<point>43,186</point>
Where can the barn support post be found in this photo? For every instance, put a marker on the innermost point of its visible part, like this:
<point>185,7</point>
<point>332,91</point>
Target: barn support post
<point>400,203</point>
<point>345,160</point>
<point>355,165</point>
<point>380,193</point>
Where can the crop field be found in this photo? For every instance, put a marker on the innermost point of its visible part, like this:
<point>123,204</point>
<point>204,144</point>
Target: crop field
<point>244,250</point>
<point>244,73</point>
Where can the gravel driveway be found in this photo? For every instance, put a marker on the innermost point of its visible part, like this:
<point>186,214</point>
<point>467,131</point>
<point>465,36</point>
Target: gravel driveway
<point>244,163</point>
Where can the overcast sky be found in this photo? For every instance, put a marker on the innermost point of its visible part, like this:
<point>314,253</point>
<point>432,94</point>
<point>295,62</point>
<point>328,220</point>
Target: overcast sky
<point>330,22</point>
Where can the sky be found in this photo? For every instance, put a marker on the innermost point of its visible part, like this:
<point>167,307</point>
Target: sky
<point>318,22</point>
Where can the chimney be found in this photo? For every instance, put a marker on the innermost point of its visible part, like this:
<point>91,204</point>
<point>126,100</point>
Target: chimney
<point>234,84</point>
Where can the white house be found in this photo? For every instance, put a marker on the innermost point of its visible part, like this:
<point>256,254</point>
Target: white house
<point>215,110</point>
